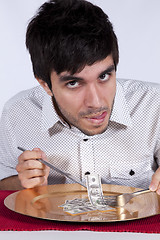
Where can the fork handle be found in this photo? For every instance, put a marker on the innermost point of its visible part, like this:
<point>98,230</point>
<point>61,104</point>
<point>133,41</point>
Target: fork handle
<point>141,192</point>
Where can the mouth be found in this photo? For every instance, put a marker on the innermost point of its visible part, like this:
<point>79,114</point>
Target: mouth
<point>97,119</point>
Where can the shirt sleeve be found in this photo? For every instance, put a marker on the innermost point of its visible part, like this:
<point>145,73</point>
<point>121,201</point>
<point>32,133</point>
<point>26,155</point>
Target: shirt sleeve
<point>8,148</point>
<point>157,151</point>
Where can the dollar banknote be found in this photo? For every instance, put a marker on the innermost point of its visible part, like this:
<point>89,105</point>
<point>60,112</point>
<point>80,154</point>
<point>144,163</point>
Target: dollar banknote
<point>94,188</point>
<point>95,201</point>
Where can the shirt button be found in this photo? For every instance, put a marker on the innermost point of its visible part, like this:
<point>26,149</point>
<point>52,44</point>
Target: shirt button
<point>131,172</point>
<point>86,139</point>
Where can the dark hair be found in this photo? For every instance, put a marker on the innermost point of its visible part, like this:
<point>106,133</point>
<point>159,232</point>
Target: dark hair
<point>66,35</point>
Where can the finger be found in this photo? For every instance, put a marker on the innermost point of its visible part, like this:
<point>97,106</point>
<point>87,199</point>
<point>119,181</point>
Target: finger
<point>36,149</point>
<point>44,157</point>
<point>32,182</point>
<point>28,155</point>
<point>153,185</point>
<point>31,174</point>
<point>155,181</point>
<point>29,164</point>
<point>158,190</point>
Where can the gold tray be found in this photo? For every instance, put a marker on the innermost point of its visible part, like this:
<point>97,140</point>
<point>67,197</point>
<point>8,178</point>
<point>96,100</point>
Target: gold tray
<point>43,202</point>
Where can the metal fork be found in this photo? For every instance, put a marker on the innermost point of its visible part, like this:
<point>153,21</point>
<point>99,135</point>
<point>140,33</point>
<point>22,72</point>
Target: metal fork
<point>111,200</point>
<point>68,175</point>
<point>122,199</point>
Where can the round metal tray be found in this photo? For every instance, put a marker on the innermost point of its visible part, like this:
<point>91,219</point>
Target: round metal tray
<point>43,202</point>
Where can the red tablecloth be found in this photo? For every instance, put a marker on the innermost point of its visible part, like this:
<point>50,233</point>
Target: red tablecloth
<point>10,220</point>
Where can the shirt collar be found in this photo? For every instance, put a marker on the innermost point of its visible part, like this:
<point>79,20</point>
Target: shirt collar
<point>120,111</point>
<point>49,115</point>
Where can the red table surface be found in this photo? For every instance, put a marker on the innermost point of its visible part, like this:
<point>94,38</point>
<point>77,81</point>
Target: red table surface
<point>10,220</point>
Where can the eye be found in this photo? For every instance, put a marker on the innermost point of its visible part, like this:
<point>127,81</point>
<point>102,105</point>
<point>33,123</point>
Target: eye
<point>104,77</point>
<point>72,84</point>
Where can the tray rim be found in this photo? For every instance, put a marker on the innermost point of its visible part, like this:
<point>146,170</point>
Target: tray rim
<point>71,193</point>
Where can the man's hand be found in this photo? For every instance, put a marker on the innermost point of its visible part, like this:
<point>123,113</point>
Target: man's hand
<point>155,183</point>
<point>31,172</point>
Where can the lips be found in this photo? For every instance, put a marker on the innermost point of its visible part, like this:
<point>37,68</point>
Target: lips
<point>98,118</point>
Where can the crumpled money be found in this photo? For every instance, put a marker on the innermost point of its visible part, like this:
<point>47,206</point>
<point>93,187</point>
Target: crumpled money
<point>81,206</point>
<point>94,202</point>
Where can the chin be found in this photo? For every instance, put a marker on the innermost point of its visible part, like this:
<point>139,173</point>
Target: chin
<point>95,131</point>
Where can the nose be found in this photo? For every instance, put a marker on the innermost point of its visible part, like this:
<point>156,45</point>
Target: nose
<point>93,97</point>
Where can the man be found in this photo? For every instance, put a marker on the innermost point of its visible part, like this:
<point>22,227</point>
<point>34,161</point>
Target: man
<point>81,119</point>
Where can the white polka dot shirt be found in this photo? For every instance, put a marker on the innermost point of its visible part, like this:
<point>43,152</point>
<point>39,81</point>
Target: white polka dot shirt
<point>127,153</point>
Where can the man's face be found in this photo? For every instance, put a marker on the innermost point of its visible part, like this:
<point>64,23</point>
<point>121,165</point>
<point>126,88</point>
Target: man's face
<point>85,99</point>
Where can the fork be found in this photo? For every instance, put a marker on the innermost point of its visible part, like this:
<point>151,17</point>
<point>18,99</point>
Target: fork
<point>122,199</point>
<point>119,200</point>
<point>68,175</point>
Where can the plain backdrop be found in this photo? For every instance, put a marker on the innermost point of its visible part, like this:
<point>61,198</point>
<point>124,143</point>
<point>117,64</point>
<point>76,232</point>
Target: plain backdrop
<point>136,23</point>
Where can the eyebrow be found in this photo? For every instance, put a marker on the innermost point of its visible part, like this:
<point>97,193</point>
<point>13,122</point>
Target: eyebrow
<point>66,78</point>
<point>69,78</point>
<point>108,70</point>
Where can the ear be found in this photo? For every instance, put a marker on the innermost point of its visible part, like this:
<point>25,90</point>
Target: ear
<point>45,86</point>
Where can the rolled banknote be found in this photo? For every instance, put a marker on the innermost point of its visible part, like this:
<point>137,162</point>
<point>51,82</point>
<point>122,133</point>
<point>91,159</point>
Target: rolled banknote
<point>94,188</point>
